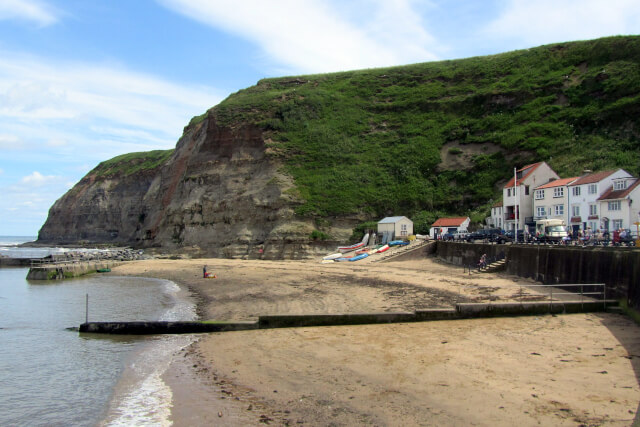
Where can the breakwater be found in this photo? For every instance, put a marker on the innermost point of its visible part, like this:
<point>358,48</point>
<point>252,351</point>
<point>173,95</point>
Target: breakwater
<point>57,271</point>
<point>617,267</point>
<point>461,311</point>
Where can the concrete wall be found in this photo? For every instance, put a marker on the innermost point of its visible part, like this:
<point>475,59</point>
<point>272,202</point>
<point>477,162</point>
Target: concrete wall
<point>467,253</point>
<point>619,268</point>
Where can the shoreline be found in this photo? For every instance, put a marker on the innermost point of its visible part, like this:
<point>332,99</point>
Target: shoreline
<point>448,372</point>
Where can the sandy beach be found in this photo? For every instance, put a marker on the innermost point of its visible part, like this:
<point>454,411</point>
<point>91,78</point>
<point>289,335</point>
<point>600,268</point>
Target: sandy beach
<point>571,370</point>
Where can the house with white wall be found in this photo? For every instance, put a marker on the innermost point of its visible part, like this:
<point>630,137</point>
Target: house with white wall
<point>620,204</point>
<point>395,227</point>
<point>448,225</point>
<point>496,220</point>
<point>583,198</point>
<point>517,194</point>
<point>550,200</point>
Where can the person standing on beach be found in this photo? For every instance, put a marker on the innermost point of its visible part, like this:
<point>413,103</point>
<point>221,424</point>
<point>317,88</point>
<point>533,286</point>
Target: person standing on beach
<point>204,272</point>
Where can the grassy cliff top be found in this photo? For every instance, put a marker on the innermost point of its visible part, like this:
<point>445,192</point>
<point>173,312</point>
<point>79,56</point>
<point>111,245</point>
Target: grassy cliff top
<point>128,164</point>
<point>442,136</point>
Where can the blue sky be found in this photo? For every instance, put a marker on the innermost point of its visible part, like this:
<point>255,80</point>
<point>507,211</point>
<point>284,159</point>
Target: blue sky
<point>82,81</point>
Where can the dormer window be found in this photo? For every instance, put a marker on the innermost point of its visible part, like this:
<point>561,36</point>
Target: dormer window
<point>619,184</point>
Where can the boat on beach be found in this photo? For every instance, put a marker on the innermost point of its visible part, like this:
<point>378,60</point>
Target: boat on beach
<point>345,249</point>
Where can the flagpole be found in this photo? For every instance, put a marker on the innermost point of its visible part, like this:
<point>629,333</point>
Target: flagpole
<point>515,191</point>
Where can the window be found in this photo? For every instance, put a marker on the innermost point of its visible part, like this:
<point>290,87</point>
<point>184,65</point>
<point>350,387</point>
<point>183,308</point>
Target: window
<point>619,185</point>
<point>615,206</point>
<point>558,192</point>
<point>508,192</point>
<point>558,209</point>
<point>617,223</point>
<point>575,210</point>
<point>541,211</point>
<point>526,190</point>
<point>593,209</point>
<point>593,225</point>
<point>593,188</point>
<point>539,194</point>
<point>576,190</point>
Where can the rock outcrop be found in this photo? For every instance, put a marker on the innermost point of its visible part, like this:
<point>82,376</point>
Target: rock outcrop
<point>219,194</point>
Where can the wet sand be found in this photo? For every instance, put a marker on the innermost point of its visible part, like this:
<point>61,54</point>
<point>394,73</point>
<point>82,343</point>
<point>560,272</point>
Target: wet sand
<point>541,370</point>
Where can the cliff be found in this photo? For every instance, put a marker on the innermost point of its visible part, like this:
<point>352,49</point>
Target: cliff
<point>290,158</point>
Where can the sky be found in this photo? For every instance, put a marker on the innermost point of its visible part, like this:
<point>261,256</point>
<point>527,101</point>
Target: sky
<point>82,81</point>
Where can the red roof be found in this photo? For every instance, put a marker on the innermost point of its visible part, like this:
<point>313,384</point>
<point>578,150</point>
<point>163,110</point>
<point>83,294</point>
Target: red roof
<point>618,194</point>
<point>449,222</point>
<point>558,183</point>
<point>531,168</point>
<point>497,204</point>
<point>593,177</point>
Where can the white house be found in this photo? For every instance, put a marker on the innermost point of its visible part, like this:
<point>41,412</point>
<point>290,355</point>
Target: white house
<point>584,209</point>
<point>497,215</point>
<point>448,225</point>
<point>519,195</point>
<point>620,204</point>
<point>395,227</point>
<point>550,200</point>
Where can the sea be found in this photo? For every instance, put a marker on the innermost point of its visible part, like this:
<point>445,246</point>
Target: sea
<point>51,375</point>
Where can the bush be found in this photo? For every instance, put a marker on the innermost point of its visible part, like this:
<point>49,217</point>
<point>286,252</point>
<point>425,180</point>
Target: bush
<point>319,235</point>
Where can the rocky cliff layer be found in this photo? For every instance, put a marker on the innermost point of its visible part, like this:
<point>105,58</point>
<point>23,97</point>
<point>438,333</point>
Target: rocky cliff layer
<point>218,194</point>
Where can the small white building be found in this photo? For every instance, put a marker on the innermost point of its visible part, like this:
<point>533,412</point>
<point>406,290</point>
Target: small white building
<point>448,225</point>
<point>395,227</point>
<point>620,205</point>
<point>496,220</point>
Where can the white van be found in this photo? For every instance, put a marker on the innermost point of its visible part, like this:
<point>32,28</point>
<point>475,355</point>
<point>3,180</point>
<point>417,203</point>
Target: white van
<point>551,230</point>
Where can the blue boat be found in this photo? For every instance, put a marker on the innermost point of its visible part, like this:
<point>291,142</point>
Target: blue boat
<point>359,257</point>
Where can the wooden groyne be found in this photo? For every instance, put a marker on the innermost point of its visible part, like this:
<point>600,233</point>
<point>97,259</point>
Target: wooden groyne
<point>461,311</point>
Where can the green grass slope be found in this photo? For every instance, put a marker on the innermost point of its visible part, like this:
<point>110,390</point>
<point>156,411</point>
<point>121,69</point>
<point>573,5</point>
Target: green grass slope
<point>128,164</point>
<point>372,142</point>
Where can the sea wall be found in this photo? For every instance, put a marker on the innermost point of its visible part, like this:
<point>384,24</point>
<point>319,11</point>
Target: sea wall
<point>618,268</point>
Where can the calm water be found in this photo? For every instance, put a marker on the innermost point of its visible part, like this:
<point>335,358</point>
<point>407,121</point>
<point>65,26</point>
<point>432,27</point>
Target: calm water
<point>55,377</point>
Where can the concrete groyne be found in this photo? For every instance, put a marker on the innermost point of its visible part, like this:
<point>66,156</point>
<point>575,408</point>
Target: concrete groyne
<point>461,311</point>
<point>56,271</point>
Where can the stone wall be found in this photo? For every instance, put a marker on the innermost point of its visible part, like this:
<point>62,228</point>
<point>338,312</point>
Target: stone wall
<point>619,268</point>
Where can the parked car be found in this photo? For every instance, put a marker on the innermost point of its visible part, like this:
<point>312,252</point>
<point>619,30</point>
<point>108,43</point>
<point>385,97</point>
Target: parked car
<point>509,236</point>
<point>486,234</point>
<point>448,236</point>
<point>455,235</point>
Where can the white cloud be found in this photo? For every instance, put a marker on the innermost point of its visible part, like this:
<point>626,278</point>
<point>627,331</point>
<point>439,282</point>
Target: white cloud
<point>57,142</point>
<point>84,111</point>
<point>318,36</point>
<point>34,89</point>
<point>549,21</point>
<point>27,10</point>
<point>37,179</point>
<point>10,142</point>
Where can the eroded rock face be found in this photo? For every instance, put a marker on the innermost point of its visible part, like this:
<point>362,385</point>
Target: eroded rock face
<point>219,194</point>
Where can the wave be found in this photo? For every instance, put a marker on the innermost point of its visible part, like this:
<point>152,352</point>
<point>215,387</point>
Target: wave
<point>141,396</point>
